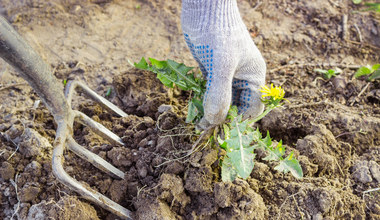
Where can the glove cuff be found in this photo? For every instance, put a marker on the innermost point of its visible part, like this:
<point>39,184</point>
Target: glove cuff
<point>210,15</point>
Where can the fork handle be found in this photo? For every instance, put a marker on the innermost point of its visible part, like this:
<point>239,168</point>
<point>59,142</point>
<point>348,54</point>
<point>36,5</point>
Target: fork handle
<point>19,54</point>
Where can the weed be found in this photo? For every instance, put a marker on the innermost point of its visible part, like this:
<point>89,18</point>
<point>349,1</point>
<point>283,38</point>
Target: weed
<point>108,93</point>
<point>371,72</point>
<point>171,73</point>
<point>328,74</point>
<point>370,6</point>
<point>241,140</point>
<point>237,138</point>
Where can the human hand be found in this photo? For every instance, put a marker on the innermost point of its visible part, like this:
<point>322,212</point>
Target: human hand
<point>228,58</point>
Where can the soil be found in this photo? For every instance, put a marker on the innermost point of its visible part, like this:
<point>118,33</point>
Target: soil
<point>333,126</point>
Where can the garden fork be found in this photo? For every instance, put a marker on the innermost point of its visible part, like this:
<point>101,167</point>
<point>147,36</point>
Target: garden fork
<point>16,51</point>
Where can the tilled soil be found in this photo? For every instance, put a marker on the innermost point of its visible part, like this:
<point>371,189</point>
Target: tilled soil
<point>333,126</point>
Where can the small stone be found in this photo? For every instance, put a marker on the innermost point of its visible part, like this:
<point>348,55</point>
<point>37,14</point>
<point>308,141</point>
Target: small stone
<point>7,171</point>
<point>375,170</point>
<point>143,143</point>
<point>318,216</point>
<point>339,84</point>
<point>361,172</point>
<point>29,192</point>
<point>34,168</point>
<point>142,172</point>
<point>164,144</point>
<point>164,108</point>
<point>32,143</point>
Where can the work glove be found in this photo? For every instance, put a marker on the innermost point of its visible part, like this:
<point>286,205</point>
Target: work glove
<point>228,58</point>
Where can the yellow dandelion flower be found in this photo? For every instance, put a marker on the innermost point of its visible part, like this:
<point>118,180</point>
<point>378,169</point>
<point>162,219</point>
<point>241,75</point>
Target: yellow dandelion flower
<point>276,92</point>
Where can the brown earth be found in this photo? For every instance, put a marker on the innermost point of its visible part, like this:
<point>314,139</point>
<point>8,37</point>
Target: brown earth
<point>333,126</point>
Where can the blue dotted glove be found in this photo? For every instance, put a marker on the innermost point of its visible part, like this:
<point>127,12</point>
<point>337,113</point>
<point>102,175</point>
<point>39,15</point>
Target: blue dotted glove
<point>227,56</point>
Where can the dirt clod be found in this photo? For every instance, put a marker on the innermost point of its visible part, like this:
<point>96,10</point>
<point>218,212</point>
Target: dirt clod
<point>7,171</point>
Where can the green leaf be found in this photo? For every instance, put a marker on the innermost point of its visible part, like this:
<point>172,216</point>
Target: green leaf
<point>256,135</point>
<point>242,160</point>
<point>372,6</point>
<point>181,70</point>
<point>192,112</point>
<point>232,112</point>
<point>374,75</point>
<point>356,1</point>
<point>108,93</point>
<point>320,71</point>
<point>229,173</point>
<point>226,130</point>
<point>198,104</point>
<point>362,71</point>
<point>222,143</point>
<point>292,165</point>
<point>375,66</point>
<point>171,74</point>
<point>275,153</point>
<point>142,64</point>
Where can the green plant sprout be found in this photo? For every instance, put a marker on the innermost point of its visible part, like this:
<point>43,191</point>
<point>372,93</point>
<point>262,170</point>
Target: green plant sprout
<point>372,72</point>
<point>108,93</point>
<point>240,140</point>
<point>370,6</point>
<point>328,74</point>
<point>171,73</point>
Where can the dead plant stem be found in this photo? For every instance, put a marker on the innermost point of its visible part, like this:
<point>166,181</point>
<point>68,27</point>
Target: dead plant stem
<point>14,183</point>
<point>13,85</point>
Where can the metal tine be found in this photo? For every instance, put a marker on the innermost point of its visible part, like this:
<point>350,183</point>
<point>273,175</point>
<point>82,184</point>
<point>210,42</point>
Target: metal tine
<point>94,159</point>
<point>85,191</point>
<point>98,128</point>
<point>72,85</point>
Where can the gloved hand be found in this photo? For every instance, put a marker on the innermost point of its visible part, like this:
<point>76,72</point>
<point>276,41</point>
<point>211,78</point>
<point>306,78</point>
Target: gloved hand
<point>228,58</point>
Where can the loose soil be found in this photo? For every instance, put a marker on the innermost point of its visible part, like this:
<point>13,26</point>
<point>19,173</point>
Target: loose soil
<point>333,126</point>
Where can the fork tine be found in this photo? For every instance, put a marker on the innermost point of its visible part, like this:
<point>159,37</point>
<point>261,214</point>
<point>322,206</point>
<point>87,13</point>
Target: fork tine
<point>85,191</point>
<point>94,159</point>
<point>98,128</point>
<point>72,85</point>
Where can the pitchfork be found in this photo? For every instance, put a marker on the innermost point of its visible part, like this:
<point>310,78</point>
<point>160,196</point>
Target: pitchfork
<point>16,51</point>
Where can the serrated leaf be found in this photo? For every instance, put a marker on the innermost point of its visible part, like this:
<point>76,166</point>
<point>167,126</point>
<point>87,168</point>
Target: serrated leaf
<point>242,160</point>
<point>266,142</point>
<point>374,75</point>
<point>275,153</point>
<point>292,165</point>
<point>362,71</point>
<point>142,64</point>
<point>184,80</point>
<point>256,135</point>
<point>229,173</point>
<point>165,80</point>
<point>192,112</point>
